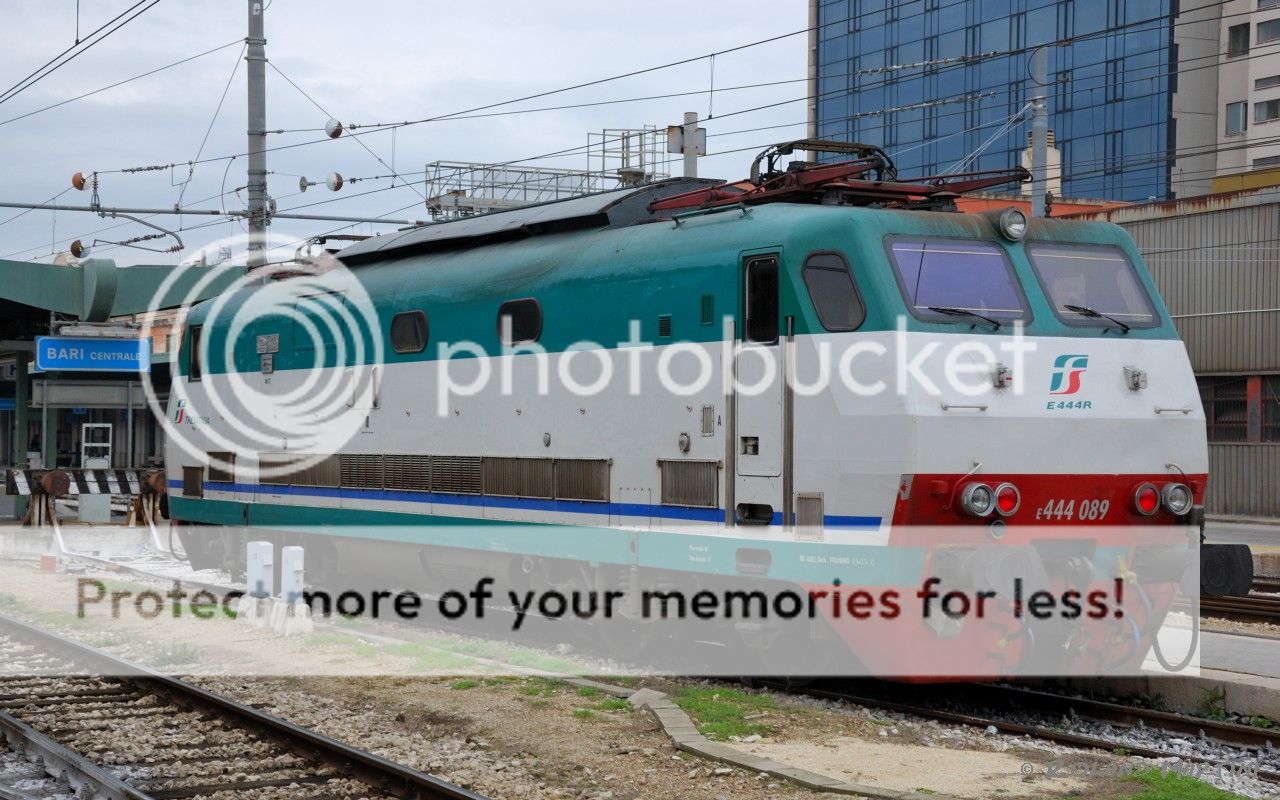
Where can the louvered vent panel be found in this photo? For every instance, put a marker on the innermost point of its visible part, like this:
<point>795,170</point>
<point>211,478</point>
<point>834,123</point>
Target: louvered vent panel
<point>582,479</point>
<point>690,483</point>
<point>408,472</point>
<point>277,469</point>
<point>518,477</point>
<point>193,481</point>
<point>326,472</point>
<point>809,516</point>
<point>361,471</point>
<point>455,474</point>
<point>222,467</point>
<point>708,420</point>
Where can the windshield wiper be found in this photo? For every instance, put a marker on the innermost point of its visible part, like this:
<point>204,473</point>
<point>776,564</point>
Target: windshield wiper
<point>964,312</point>
<point>1085,311</point>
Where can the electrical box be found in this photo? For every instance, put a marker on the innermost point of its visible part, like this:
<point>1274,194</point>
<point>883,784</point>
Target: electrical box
<point>260,569</point>
<point>95,445</point>
<point>291,577</point>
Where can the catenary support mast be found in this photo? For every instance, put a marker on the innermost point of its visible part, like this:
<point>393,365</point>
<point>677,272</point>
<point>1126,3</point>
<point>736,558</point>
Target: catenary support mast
<point>256,56</point>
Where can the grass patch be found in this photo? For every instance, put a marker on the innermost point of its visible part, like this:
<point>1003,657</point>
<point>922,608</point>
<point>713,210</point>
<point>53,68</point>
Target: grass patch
<point>507,654</point>
<point>428,658</point>
<point>1213,703</point>
<point>614,704</point>
<point>8,600</point>
<point>583,713</point>
<point>537,687</point>
<point>176,654</point>
<point>63,619</point>
<point>461,685</point>
<point>1262,722</point>
<point>324,639</point>
<point>721,713</point>
<point>1163,785</point>
<point>588,691</point>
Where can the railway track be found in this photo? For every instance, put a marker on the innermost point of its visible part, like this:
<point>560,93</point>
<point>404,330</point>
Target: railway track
<point>1266,583</point>
<point>106,728</point>
<point>1024,711</point>
<point>1254,608</point>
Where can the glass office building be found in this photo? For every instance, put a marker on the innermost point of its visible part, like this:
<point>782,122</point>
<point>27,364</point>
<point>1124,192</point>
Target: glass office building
<point>1109,93</point>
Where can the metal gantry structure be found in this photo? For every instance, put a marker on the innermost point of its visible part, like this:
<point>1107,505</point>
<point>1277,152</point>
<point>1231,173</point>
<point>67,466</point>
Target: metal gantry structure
<point>616,158</point>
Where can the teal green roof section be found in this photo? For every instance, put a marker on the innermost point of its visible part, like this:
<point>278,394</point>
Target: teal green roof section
<point>96,289</point>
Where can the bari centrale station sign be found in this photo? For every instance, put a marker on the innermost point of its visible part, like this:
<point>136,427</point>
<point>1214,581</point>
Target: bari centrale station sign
<point>92,354</point>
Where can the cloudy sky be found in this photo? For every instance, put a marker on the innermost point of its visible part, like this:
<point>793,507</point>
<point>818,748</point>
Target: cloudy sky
<point>364,62</point>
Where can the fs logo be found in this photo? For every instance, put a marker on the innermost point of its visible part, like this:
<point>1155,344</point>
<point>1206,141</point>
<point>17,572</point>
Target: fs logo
<point>1067,370</point>
<point>181,413</point>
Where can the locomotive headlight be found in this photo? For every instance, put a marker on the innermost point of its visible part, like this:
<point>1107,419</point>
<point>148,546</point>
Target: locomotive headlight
<point>1176,498</point>
<point>1146,499</point>
<point>1012,224</point>
<point>977,499</point>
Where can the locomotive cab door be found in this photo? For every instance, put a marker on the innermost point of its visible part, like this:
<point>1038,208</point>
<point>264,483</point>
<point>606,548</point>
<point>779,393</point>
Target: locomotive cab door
<point>758,390</point>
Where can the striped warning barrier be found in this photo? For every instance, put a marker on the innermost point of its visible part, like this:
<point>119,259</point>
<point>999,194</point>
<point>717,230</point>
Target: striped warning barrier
<point>60,482</point>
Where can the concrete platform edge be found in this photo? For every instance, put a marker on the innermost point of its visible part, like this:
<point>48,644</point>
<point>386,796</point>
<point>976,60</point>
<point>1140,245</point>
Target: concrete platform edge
<point>1230,692</point>
<point>678,726</point>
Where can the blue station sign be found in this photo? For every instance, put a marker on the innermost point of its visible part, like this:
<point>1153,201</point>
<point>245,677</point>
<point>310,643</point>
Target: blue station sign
<point>91,354</point>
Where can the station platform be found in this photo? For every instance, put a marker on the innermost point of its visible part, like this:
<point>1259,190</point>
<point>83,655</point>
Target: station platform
<point>1260,535</point>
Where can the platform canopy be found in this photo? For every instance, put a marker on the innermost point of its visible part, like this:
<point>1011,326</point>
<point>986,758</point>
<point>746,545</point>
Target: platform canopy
<point>93,290</point>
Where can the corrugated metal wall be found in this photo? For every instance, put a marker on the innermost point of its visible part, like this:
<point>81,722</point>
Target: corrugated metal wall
<point>1244,480</point>
<point>1219,261</point>
<point>1211,261</point>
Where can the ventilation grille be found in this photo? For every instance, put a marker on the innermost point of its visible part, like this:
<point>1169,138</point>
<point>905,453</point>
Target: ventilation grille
<point>217,462</point>
<point>193,481</point>
<point>412,473</point>
<point>276,469</point>
<point>690,483</point>
<point>582,479</point>
<point>326,472</point>
<point>708,420</point>
<point>664,325</point>
<point>809,515</point>
<point>361,471</point>
<point>518,477</point>
<point>546,478</point>
<point>455,474</point>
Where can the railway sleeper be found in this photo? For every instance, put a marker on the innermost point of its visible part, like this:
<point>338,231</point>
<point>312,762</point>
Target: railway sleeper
<point>239,786</point>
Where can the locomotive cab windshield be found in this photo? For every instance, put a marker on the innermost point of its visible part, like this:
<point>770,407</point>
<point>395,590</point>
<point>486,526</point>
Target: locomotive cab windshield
<point>1088,283</point>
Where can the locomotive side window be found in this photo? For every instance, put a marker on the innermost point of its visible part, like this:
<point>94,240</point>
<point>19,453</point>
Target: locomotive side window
<point>762,300</point>
<point>957,280</point>
<point>831,289</point>
<point>193,355</point>
<point>409,332</point>
<point>1088,283</point>
<point>519,321</point>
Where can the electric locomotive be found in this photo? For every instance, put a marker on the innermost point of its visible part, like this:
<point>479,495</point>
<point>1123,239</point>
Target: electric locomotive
<point>1016,382</point>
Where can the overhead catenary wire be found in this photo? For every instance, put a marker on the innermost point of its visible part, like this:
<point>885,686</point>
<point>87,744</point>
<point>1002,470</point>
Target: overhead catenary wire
<point>191,168</point>
<point>1159,19</point>
<point>382,126</point>
<point>110,86</point>
<point>74,45</point>
<point>1104,32</point>
<point>324,111</point>
<point>76,50</point>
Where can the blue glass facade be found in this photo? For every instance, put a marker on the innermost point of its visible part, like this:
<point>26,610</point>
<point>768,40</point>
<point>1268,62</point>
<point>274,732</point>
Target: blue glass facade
<point>1109,96</point>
